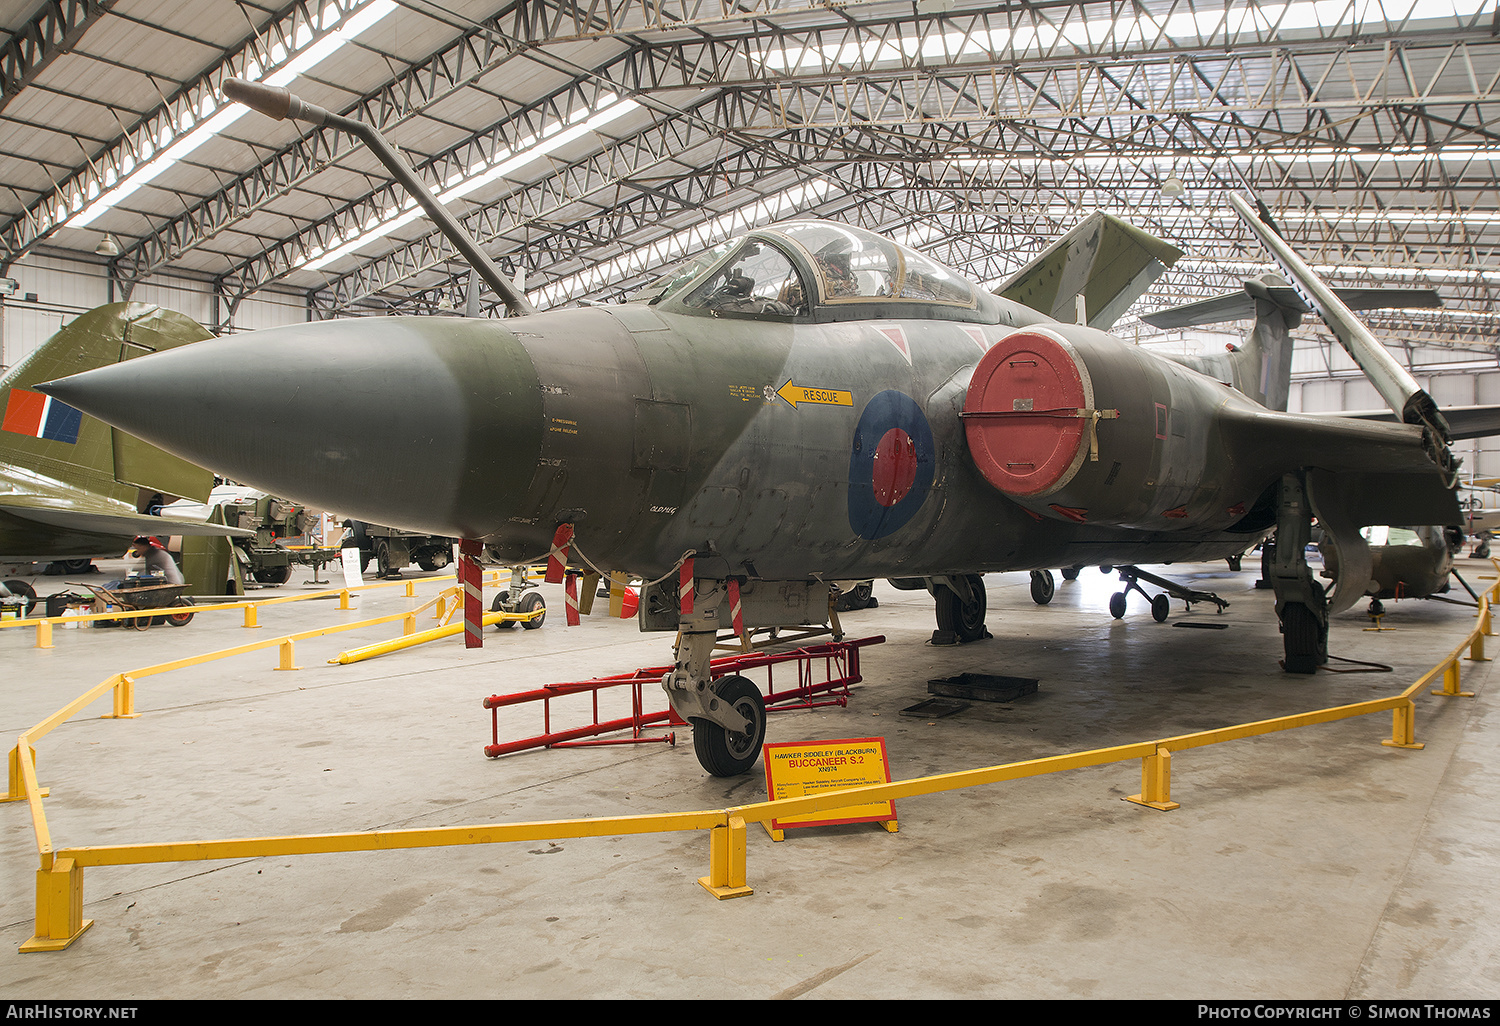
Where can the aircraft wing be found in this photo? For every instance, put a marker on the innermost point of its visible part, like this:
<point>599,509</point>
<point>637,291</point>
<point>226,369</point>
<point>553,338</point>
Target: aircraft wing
<point>1387,475</point>
<point>113,523</point>
<point>1107,261</point>
<point>1463,421</point>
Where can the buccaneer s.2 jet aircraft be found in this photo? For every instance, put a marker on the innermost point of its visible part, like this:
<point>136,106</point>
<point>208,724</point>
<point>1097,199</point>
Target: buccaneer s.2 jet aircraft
<point>808,403</point>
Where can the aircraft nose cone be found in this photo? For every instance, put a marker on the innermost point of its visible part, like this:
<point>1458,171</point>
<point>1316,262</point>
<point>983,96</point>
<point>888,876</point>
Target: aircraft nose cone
<point>429,424</point>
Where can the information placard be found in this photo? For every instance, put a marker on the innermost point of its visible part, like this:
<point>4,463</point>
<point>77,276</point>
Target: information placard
<point>794,769</point>
<point>353,564</point>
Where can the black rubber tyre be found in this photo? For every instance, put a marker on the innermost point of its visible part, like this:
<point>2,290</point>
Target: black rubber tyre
<point>498,606</point>
<point>857,597</point>
<point>1043,587</point>
<point>1161,608</point>
<point>529,603</point>
<point>1117,605</point>
<point>383,561</point>
<point>274,575</point>
<point>16,586</point>
<point>182,618</point>
<point>433,559</point>
<point>1302,639</point>
<point>1070,573</point>
<point>1377,608</point>
<point>726,754</point>
<point>1234,563</point>
<point>75,566</point>
<point>964,619</point>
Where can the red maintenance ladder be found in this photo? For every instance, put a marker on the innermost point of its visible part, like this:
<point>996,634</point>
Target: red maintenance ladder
<point>837,660</point>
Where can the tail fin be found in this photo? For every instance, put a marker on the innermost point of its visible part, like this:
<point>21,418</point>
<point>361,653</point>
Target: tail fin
<point>1104,261</point>
<point>1262,366</point>
<point>52,438</point>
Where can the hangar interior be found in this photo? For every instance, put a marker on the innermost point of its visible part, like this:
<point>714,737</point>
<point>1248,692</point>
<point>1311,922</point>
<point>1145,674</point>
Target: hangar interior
<point>591,147</point>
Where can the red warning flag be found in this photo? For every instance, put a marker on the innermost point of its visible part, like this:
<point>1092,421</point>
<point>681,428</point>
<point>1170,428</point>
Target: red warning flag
<point>472,579</point>
<point>557,559</point>
<point>685,587</point>
<point>734,606</point>
<point>572,596</point>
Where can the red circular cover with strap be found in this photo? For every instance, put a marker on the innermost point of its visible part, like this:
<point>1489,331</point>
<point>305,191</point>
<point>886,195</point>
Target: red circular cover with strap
<point>1033,383</point>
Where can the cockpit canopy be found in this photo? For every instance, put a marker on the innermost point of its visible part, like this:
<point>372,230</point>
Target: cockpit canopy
<point>819,271</point>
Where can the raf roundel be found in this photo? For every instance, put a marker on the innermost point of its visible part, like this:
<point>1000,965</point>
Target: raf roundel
<point>891,465</point>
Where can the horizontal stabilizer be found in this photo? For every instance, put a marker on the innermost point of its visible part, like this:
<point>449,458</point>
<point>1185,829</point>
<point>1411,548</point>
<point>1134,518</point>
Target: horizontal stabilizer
<point>1107,261</point>
<point>1463,421</point>
<point>1236,306</point>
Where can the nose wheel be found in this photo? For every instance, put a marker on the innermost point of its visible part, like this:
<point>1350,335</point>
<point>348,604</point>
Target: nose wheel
<point>728,753</point>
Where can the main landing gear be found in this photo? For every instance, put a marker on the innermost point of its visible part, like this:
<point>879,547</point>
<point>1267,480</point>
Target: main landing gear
<point>961,604</point>
<point>728,715</point>
<point>1161,605</point>
<point>1301,604</point>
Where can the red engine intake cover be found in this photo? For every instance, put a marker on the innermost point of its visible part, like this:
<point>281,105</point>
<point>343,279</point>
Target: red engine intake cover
<point>1032,386</point>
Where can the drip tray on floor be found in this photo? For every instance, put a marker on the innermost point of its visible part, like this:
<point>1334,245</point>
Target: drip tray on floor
<point>983,687</point>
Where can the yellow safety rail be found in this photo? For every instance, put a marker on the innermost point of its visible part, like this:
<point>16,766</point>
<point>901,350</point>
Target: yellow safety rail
<point>44,624</point>
<point>59,881</point>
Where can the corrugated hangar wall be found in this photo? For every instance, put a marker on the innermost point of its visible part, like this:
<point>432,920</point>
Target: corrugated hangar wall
<point>63,289</point>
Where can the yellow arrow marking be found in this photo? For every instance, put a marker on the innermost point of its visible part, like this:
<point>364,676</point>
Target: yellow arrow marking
<point>795,394</point>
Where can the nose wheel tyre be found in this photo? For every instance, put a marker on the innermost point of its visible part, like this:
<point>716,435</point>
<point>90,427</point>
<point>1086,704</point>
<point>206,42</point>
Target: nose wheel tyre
<point>726,753</point>
<point>530,603</point>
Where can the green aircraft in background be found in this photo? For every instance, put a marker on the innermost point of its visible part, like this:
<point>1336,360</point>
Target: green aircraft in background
<point>73,488</point>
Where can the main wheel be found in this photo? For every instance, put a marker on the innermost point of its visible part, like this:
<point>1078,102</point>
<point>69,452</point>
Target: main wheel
<point>964,619</point>
<point>433,559</point>
<point>1042,587</point>
<point>1070,573</point>
<point>530,603</point>
<point>1161,608</point>
<point>1302,638</point>
<point>383,561</point>
<point>1117,605</point>
<point>726,753</point>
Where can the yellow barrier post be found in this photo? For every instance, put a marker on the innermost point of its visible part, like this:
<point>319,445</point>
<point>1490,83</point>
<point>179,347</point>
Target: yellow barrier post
<point>1156,781</point>
<point>124,700</point>
<point>726,861</point>
<point>408,625</point>
<point>411,589</point>
<point>344,599</point>
<point>288,656</point>
<point>252,616</point>
<point>44,633</point>
<point>59,907</point>
<point>17,792</point>
<point>1451,681</point>
<point>1403,727</point>
<point>440,607</point>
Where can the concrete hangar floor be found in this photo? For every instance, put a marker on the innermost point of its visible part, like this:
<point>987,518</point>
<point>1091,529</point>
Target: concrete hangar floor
<point>1309,864</point>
